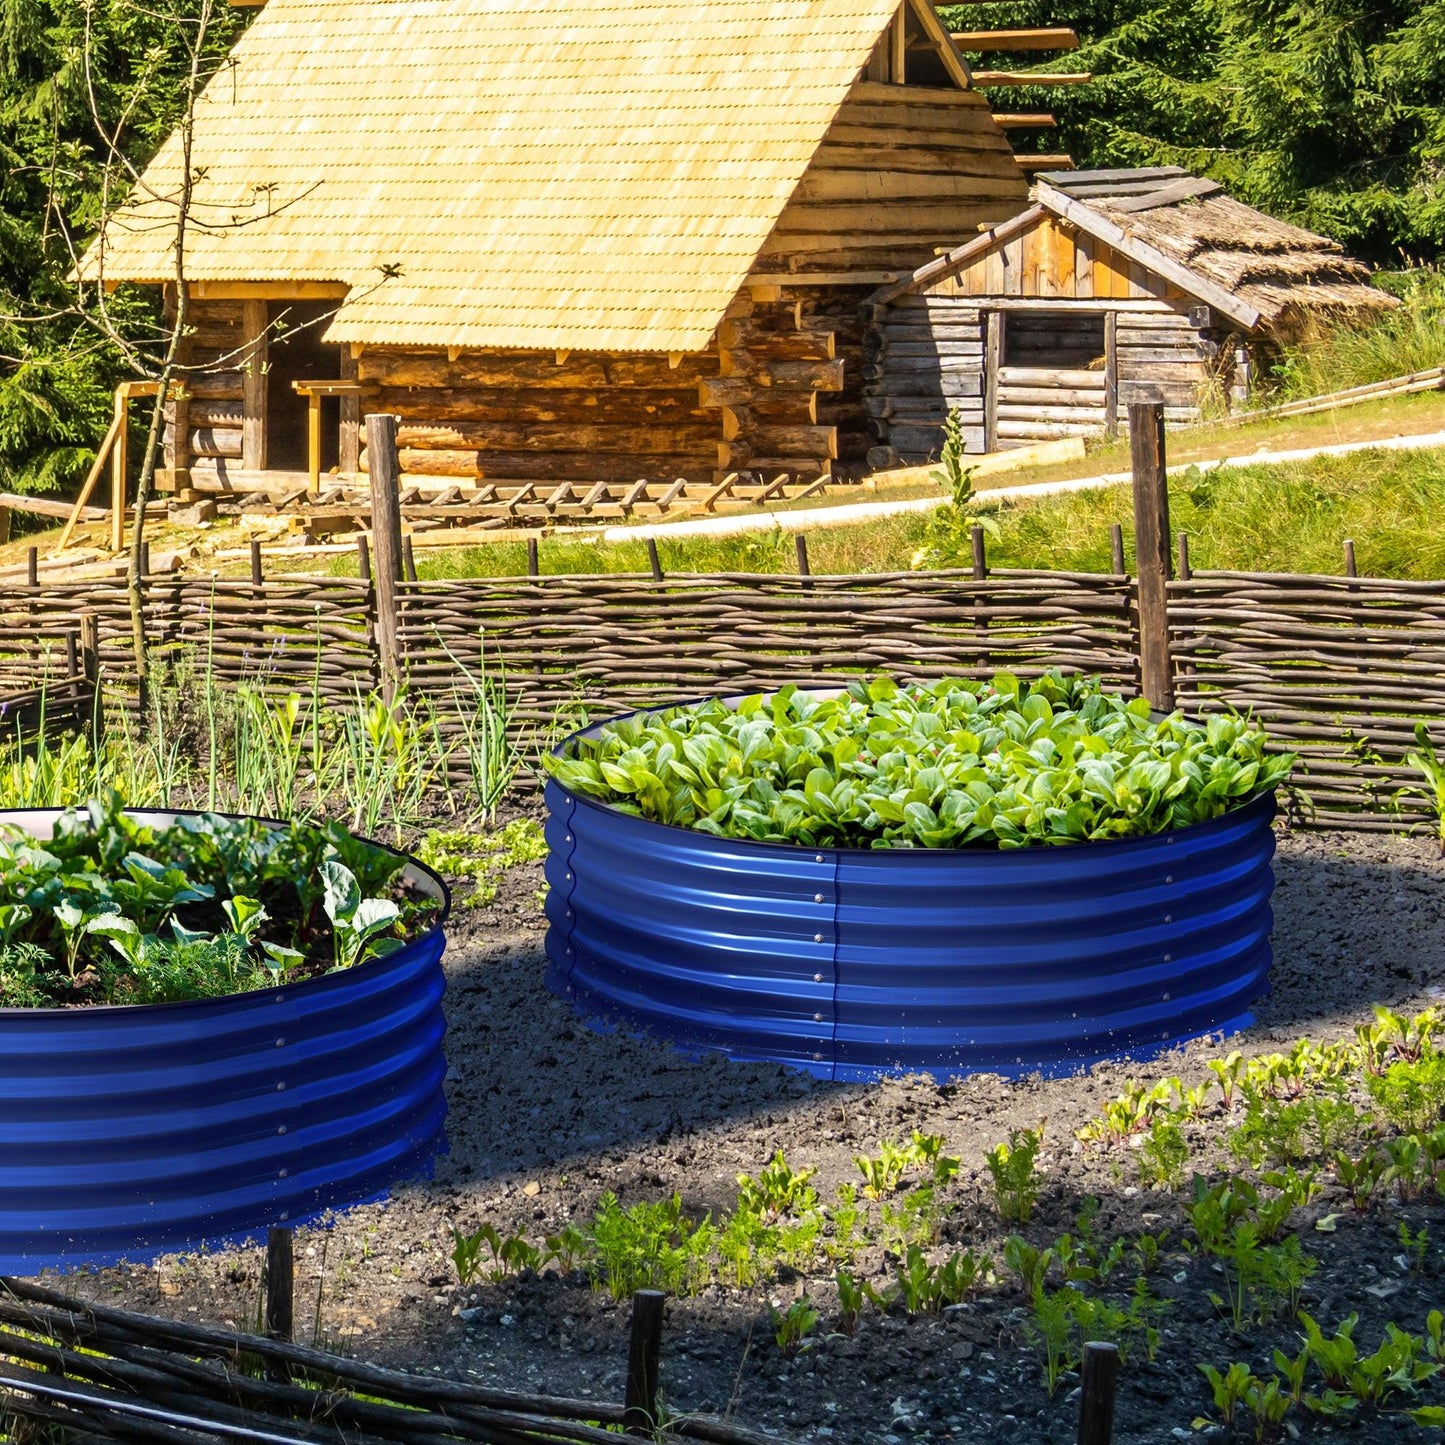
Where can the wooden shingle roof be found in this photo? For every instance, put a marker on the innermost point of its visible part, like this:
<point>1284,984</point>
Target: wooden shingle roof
<point>595,174</point>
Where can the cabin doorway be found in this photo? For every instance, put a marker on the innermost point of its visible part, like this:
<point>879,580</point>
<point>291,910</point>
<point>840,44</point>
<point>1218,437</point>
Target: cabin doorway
<point>295,352</point>
<point>1053,377</point>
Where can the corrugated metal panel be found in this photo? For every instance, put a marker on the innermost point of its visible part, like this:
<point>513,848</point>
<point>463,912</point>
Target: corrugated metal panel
<point>126,1130</point>
<point>851,963</point>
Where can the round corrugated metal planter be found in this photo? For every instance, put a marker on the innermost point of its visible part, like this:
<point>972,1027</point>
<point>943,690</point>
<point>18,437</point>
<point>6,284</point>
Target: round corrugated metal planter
<point>128,1130</point>
<point>853,963</point>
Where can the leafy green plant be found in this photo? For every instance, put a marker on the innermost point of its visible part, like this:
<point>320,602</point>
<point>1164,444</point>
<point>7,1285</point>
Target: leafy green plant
<point>510,1255</point>
<point>1131,1113</point>
<point>792,1326</point>
<point>112,909</point>
<point>778,1190</point>
<point>1012,1166</point>
<point>848,1219</point>
<point>1316,1126</point>
<point>482,858</point>
<point>1411,1093</point>
<point>1416,1245</point>
<point>648,1246</point>
<point>952,764</point>
<point>1163,1156</point>
<point>851,1297</point>
<point>1426,761</point>
<point>1364,1175</point>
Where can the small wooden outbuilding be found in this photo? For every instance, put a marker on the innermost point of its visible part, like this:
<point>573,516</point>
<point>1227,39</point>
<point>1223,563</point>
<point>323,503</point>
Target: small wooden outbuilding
<point>1112,287</point>
<point>590,240</point>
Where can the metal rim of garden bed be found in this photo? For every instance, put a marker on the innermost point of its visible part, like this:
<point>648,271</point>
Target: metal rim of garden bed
<point>852,963</point>
<point>129,1129</point>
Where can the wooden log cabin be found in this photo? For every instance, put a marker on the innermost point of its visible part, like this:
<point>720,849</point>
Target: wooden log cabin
<point>590,240</point>
<point>1112,287</point>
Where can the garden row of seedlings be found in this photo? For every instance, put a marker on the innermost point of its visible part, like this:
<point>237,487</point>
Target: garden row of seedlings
<point>1354,1124</point>
<point>95,1373</point>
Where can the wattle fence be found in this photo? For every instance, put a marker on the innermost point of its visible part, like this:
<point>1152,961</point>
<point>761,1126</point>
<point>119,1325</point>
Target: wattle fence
<point>1339,667</point>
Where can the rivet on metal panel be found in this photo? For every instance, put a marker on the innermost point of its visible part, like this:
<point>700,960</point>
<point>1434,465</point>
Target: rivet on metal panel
<point>1168,958</point>
<point>1169,918</point>
<point>280,1086</point>
<point>1168,877</point>
<point>1166,998</point>
<point>282,1173</point>
<point>569,877</point>
<point>818,858</point>
<point>816,1057</point>
<point>280,1043</point>
<point>817,1018</point>
<point>280,1128</point>
<point>817,898</point>
<point>817,978</point>
<point>568,838</point>
<point>284,1215</point>
<point>817,938</point>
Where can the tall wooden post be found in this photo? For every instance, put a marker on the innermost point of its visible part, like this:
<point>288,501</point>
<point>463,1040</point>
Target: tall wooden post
<point>643,1355</point>
<point>1151,551</point>
<point>992,360</point>
<point>384,467</point>
<point>119,466</point>
<point>280,1297</point>
<point>1096,1394</point>
<point>1111,374</point>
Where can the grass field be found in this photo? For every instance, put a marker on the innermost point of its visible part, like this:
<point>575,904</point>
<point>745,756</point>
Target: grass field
<point>1250,518</point>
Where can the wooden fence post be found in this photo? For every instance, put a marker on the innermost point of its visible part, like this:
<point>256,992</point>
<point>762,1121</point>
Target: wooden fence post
<point>1096,1395</point>
<point>258,575</point>
<point>653,560</point>
<point>1116,550</point>
<point>805,570</point>
<point>90,647</point>
<point>280,1297</point>
<point>534,558</point>
<point>1151,551</point>
<point>384,467</point>
<point>644,1352</point>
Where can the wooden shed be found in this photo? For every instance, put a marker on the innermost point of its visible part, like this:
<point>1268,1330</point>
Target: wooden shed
<point>1112,287</point>
<point>561,239</point>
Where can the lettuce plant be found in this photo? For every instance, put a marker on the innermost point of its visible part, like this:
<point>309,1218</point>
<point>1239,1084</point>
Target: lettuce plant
<point>953,764</point>
<point>115,910</point>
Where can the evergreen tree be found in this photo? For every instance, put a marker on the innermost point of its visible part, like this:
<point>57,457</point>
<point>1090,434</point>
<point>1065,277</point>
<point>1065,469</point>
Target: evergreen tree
<point>1329,113</point>
<point>63,64</point>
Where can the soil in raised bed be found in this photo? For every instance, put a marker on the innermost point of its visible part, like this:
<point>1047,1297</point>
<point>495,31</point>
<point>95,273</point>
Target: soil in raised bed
<point>547,1115</point>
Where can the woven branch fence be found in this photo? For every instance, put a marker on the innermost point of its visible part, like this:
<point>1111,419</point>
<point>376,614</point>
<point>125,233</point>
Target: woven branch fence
<point>1339,667</point>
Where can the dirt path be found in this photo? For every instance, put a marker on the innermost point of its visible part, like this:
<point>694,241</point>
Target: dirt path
<point>547,1115</point>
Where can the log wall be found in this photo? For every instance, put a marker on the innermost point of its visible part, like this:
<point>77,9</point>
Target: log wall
<point>902,170</point>
<point>211,416</point>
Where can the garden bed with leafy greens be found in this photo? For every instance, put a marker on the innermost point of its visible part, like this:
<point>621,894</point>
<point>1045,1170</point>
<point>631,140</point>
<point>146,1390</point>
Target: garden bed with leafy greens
<point>115,908</point>
<point>950,764</point>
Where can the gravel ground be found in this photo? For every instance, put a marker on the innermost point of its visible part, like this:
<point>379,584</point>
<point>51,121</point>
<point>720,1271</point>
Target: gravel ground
<point>546,1115</point>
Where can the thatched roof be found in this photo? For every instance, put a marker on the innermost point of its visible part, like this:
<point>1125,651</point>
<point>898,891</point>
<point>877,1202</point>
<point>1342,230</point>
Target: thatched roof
<point>1280,272</point>
<point>596,174</point>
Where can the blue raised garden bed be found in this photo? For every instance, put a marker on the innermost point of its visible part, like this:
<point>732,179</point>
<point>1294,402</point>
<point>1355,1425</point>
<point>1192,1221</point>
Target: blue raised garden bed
<point>128,1130</point>
<point>851,963</point>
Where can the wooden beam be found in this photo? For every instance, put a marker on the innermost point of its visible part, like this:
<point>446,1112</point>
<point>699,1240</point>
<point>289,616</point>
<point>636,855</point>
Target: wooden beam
<point>1024,120</point>
<point>1102,229</point>
<point>256,340</point>
<point>949,53</point>
<point>958,258</point>
<point>898,48</point>
<point>1032,165</point>
<point>984,79</point>
<point>268,290</point>
<point>992,360</point>
<point>1058,37</point>
<point>1189,189</point>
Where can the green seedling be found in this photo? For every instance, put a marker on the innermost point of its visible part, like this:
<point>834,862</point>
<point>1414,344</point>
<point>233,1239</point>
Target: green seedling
<point>851,1297</point>
<point>1411,1092</point>
<point>1030,1264</point>
<point>779,1190</point>
<point>848,1219</point>
<point>1415,1244</point>
<point>1131,1113</point>
<point>1229,1389</point>
<point>1364,1176</point>
<point>792,1326</point>
<point>1268,1404</point>
<point>1426,761</point>
<point>883,1172</point>
<point>1012,1167</point>
<point>1163,1156</point>
<point>1228,1071</point>
<point>648,1246</point>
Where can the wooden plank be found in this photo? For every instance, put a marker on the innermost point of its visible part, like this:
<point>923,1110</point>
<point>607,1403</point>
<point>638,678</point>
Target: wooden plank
<point>253,385</point>
<point>960,257</point>
<point>1024,120</point>
<point>1053,37</point>
<point>1111,372</point>
<point>993,357</point>
<point>1168,195</point>
<point>987,79</point>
